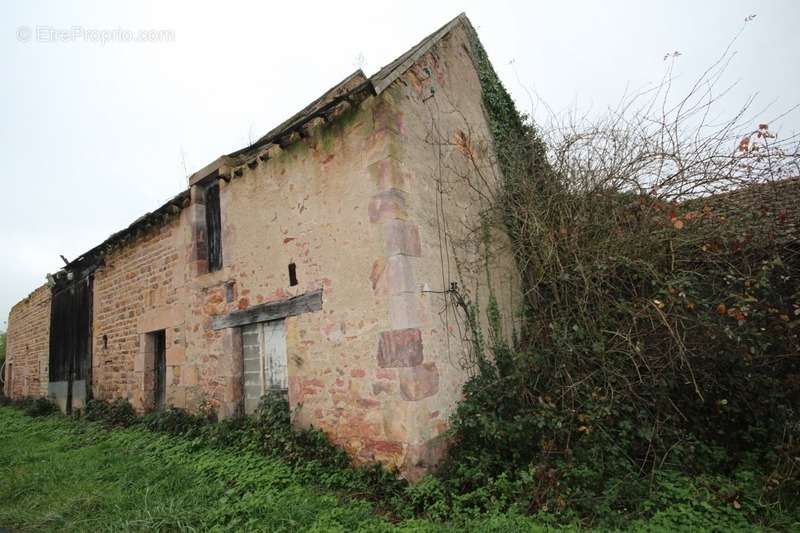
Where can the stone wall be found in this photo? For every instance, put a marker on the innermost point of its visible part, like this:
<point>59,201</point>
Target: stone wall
<point>136,291</point>
<point>437,174</point>
<point>28,346</point>
<point>310,205</point>
<point>369,210</point>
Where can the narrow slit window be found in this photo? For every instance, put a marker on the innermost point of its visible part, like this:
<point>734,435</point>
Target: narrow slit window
<point>213,227</point>
<point>292,274</point>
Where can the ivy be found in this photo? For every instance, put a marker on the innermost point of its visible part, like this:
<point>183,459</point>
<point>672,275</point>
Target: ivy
<point>521,152</point>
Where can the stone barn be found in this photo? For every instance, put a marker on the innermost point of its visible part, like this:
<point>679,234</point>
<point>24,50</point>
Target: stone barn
<point>326,260</point>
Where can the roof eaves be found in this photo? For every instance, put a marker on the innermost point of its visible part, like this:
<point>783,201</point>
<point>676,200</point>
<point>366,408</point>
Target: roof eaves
<point>346,90</point>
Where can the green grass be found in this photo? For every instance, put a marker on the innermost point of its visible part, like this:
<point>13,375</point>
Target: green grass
<point>59,474</point>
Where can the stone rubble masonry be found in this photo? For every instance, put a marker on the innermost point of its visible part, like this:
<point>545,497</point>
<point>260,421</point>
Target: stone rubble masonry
<point>370,212</point>
<point>28,346</point>
<point>135,293</point>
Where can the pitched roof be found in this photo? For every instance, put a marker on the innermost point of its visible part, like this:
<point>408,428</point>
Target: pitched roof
<point>350,91</point>
<point>385,76</point>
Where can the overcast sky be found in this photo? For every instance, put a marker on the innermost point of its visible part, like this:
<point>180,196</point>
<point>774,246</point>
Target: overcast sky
<point>94,135</point>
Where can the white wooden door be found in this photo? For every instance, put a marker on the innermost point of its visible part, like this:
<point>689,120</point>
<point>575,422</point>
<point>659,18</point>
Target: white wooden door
<point>265,363</point>
<point>276,376</point>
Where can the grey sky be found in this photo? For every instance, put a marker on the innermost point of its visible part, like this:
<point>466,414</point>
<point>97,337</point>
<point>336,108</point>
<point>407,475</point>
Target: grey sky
<point>94,135</point>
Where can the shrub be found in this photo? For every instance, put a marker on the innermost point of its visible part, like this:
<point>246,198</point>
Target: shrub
<point>176,421</point>
<point>31,406</point>
<point>661,303</point>
<point>40,407</point>
<point>116,413</point>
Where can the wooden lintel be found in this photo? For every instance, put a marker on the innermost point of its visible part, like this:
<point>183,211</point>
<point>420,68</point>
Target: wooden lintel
<point>303,303</point>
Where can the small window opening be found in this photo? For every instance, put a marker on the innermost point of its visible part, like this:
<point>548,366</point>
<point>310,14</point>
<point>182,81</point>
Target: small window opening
<point>292,274</point>
<point>105,342</point>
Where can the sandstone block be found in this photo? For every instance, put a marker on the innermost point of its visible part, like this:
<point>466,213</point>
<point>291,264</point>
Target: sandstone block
<point>400,348</point>
<point>176,354</point>
<point>402,238</point>
<point>400,275</point>
<point>387,205</point>
<point>405,311</point>
<point>389,173</point>
<point>419,382</point>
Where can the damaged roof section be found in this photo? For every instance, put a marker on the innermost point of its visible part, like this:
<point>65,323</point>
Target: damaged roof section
<point>351,91</point>
<point>89,261</point>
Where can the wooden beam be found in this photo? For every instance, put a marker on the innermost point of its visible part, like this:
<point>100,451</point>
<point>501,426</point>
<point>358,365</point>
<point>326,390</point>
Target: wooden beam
<point>303,303</point>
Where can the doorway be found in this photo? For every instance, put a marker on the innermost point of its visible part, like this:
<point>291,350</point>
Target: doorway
<point>70,354</point>
<point>158,345</point>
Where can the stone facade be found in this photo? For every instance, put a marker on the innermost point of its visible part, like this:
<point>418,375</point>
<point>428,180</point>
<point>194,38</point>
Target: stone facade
<point>371,206</point>
<point>28,345</point>
<point>135,292</point>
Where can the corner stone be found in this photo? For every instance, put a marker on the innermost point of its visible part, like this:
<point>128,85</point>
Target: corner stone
<point>419,382</point>
<point>400,348</point>
<point>401,238</point>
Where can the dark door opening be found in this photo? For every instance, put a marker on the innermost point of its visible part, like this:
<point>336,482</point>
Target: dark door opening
<point>159,339</point>
<point>70,360</point>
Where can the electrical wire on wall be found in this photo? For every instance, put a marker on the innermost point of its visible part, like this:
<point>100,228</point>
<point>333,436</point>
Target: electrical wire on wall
<point>439,210</point>
<point>449,287</point>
